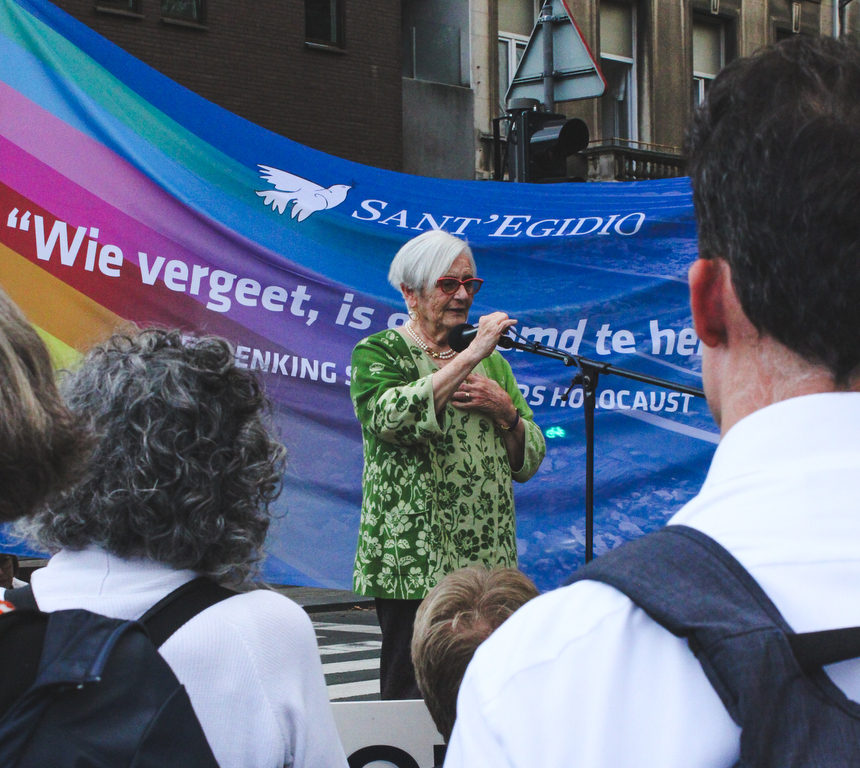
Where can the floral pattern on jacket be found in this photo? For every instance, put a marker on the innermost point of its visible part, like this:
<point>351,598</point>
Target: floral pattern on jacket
<point>437,494</point>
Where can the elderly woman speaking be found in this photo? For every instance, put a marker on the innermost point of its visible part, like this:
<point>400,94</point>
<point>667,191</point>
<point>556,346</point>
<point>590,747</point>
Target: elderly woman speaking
<point>444,433</point>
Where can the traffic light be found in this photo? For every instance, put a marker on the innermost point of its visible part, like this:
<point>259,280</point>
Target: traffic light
<point>539,144</point>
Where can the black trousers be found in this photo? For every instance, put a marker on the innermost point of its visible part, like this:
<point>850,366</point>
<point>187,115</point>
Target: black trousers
<point>396,673</point>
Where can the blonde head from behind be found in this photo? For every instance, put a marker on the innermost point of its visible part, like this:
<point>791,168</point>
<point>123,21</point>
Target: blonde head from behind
<point>457,615</point>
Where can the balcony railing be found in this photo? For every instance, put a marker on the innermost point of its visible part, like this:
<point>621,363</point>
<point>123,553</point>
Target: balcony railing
<point>626,160</point>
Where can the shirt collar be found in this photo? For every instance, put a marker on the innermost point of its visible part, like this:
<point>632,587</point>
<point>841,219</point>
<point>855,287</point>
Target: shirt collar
<point>99,581</point>
<point>811,427</point>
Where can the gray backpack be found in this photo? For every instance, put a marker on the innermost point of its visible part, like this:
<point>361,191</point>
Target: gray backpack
<point>769,679</point>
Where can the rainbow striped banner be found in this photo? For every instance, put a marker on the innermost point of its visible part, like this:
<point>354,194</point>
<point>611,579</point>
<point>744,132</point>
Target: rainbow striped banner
<point>125,197</point>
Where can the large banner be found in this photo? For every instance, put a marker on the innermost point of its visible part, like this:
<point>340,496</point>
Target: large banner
<point>125,197</point>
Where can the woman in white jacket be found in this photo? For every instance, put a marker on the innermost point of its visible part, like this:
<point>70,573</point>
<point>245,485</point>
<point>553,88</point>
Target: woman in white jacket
<point>178,486</point>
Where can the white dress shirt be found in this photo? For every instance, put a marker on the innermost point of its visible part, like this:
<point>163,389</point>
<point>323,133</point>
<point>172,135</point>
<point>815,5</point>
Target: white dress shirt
<point>582,677</point>
<point>250,663</point>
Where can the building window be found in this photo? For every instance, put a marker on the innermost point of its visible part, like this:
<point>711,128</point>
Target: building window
<point>324,22</point>
<point>516,23</point>
<point>433,52</point>
<point>119,6</point>
<point>709,56</point>
<point>518,16</point>
<point>618,64</point>
<point>193,11</point>
<point>511,50</point>
<point>436,41</point>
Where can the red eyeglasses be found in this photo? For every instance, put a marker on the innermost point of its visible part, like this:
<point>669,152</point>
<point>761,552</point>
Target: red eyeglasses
<point>450,285</point>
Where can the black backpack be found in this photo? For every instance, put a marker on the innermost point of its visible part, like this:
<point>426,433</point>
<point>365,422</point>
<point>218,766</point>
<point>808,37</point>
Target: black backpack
<point>80,690</point>
<point>769,679</point>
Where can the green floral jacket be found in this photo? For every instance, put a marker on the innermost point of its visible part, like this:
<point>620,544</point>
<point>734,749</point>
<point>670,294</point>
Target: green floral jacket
<point>437,493</point>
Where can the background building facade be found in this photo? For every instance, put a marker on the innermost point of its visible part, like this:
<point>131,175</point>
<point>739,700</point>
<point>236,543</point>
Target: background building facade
<point>325,73</point>
<point>658,59</point>
<point>413,85</point>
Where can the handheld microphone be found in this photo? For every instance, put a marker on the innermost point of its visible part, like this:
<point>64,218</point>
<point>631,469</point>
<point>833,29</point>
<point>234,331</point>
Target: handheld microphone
<point>461,336</point>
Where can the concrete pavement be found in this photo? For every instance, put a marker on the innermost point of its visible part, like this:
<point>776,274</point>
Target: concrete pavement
<point>318,600</point>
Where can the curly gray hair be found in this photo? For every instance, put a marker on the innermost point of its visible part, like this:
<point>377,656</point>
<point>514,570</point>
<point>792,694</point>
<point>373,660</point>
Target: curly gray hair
<point>184,468</point>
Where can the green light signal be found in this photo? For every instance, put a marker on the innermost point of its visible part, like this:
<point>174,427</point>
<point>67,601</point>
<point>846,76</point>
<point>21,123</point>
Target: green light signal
<point>555,432</point>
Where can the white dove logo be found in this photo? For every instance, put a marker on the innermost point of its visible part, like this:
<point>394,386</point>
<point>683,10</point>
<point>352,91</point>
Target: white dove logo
<point>306,196</point>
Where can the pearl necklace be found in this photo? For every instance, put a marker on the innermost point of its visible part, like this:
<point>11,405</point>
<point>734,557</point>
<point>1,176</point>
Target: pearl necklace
<point>421,343</point>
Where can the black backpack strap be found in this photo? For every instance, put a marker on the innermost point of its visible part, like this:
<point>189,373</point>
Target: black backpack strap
<point>181,605</point>
<point>22,598</point>
<point>165,617</point>
<point>814,650</point>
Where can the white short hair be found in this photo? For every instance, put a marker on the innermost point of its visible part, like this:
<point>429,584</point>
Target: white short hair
<point>424,259</point>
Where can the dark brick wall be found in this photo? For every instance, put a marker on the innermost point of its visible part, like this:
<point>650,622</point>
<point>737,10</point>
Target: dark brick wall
<point>251,58</point>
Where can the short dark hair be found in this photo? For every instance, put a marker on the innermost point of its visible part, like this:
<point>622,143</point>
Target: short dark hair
<point>184,467</point>
<point>41,445</point>
<point>457,615</point>
<point>774,161</point>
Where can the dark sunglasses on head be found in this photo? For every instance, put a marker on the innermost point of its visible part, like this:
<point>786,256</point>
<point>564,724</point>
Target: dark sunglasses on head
<point>451,285</point>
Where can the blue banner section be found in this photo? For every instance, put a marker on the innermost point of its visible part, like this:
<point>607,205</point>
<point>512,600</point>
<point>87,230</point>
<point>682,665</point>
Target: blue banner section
<point>229,228</point>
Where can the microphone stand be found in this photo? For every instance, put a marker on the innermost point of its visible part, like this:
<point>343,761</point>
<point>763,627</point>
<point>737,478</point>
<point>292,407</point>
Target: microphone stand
<point>587,377</point>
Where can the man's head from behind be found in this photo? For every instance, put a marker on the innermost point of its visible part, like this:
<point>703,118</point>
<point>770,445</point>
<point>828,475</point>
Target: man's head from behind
<point>774,161</point>
<point>457,615</point>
